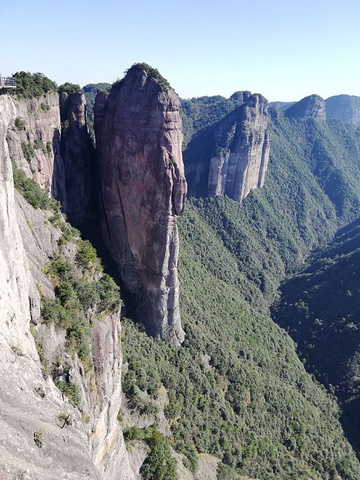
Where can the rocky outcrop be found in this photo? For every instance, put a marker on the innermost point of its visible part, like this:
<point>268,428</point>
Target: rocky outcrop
<point>36,443</point>
<point>143,188</point>
<point>78,158</point>
<point>345,108</point>
<point>312,106</point>
<point>48,139</point>
<point>242,144</point>
<point>33,138</point>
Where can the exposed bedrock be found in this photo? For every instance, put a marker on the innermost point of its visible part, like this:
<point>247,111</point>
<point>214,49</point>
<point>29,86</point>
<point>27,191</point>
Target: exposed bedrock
<point>241,150</point>
<point>143,187</point>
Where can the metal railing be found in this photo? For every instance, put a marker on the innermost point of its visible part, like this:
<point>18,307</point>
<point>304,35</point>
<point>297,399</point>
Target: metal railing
<point>7,82</point>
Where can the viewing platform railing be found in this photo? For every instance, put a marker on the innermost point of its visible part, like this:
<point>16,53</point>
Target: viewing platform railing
<point>7,82</point>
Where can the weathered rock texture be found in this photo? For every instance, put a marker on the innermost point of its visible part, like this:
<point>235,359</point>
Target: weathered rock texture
<point>33,137</point>
<point>78,157</point>
<point>139,139</point>
<point>312,106</point>
<point>345,108</point>
<point>34,442</point>
<point>48,139</point>
<point>242,145</point>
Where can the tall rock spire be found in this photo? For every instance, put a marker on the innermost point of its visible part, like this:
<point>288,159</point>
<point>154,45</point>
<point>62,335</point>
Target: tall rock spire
<point>143,187</point>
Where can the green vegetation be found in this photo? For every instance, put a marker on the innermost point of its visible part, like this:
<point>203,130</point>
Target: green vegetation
<point>151,72</point>
<point>49,148</point>
<point>45,107</point>
<point>203,112</point>
<point>250,403</point>
<point>86,257</point>
<point>73,296</point>
<point>28,150</point>
<point>70,88</point>
<point>70,390</point>
<point>236,388</point>
<point>90,91</point>
<point>32,85</point>
<point>312,187</point>
<point>19,123</point>
<point>32,192</point>
<point>320,307</point>
<point>159,464</point>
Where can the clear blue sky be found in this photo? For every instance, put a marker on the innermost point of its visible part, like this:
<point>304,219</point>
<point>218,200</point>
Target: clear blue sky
<point>282,49</point>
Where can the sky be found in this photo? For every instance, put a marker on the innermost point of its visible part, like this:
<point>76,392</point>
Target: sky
<point>284,50</point>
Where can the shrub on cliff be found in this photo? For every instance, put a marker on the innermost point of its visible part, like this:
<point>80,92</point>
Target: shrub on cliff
<point>32,85</point>
<point>32,192</point>
<point>69,88</point>
<point>151,72</point>
<point>159,464</point>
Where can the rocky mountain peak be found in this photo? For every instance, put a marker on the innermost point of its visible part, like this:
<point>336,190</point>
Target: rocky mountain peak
<point>241,153</point>
<point>312,106</point>
<point>345,108</point>
<point>139,154</point>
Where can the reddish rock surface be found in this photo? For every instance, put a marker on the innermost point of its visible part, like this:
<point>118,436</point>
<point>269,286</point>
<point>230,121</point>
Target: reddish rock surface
<point>139,140</point>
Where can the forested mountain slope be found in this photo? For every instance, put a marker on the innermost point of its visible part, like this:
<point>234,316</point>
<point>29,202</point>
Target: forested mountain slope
<point>236,388</point>
<point>234,401</point>
<point>320,308</point>
<point>312,186</point>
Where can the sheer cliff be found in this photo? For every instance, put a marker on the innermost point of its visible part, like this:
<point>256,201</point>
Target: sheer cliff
<point>234,401</point>
<point>44,369</point>
<point>230,156</point>
<point>48,139</point>
<point>143,188</point>
<point>242,146</point>
<point>345,108</point>
<point>78,157</point>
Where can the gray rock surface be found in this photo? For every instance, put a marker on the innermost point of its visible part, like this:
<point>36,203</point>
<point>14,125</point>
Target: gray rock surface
<point>242,145</point>
<point>139,139</point>
<point>312,106</point>
<point>39,136</point>
<point>345,108</point>
<point>34,442</point>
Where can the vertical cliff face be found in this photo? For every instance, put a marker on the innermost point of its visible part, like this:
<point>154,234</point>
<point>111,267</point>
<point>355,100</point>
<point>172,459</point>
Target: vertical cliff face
<point>48,139</point>
<point>78,158</point>
<point>36,443</point>
<point>242,144</point>
<point>345,108</point>
<point>143,188</point>
<point>33,137</point>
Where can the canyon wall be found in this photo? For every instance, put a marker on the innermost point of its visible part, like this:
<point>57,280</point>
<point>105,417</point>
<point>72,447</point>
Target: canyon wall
<point>139,140</point>
<point>37,443</point>
<point>78,158</point>
<point>228,156</point>
<point>241,146</point>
